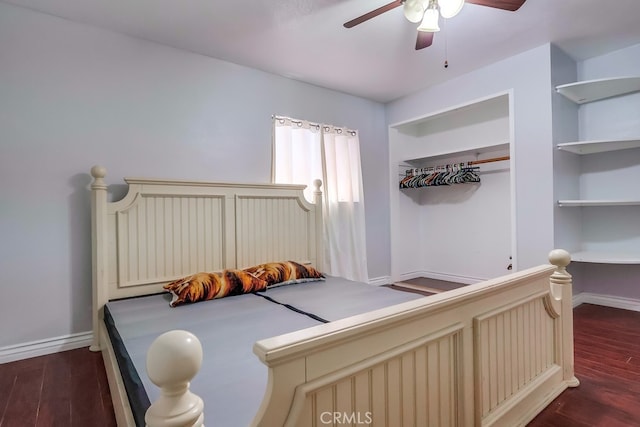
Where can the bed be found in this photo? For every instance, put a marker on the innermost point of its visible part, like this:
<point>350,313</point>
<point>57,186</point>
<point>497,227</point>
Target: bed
<point>329,352</point>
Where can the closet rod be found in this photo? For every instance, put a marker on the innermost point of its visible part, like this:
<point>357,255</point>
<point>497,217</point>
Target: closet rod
<point>495,159</point>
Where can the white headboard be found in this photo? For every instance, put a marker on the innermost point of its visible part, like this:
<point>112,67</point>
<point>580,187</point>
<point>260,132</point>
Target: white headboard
<point>165,229</point>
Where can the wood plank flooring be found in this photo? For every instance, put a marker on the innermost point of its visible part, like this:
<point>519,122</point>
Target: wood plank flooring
<point>412,289</point>
<point>66,389</point>
<point>428,284</point>
<point>70,388</point>
<point>607,363</point>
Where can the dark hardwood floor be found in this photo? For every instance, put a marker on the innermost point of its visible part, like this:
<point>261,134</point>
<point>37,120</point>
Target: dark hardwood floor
<point>430,285</point>
<point>607,363</point>
<point>70,388</point>
<point>66,389</point>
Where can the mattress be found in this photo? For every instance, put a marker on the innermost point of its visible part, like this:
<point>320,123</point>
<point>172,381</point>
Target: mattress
<point>337,298</point>
<point>232,380</point>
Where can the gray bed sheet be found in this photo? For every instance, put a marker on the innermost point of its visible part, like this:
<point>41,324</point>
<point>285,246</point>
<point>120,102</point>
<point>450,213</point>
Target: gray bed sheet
<point>336,298</point>
<point>232,380</point>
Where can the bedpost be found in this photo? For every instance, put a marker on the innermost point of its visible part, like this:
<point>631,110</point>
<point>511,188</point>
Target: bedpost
<point>319,211</point>
<point>98,249</point>
<point>173,359</point>
<point>561,288</point>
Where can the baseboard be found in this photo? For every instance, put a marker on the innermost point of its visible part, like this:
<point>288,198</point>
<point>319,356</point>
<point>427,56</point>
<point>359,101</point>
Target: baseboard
<point>379,281</point>
<point>578,299</point>
<point>409,276</point>
<point>47,346</point>
<point>607,301</point>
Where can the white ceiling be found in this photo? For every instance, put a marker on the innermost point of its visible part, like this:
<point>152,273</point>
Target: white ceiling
<point>305,39</point>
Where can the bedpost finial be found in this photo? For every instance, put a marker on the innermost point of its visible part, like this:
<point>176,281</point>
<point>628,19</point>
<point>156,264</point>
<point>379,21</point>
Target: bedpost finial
<point>98,173</point>
<point>317,183</point>
<point>174,358</point>
<point>560,258</point>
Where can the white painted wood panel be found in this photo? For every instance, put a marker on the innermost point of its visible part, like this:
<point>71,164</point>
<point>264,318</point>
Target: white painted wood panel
<point>514,347</point>
<point>161,238</point>
<point>273,229</point>
<point>415,387</point>
<point>420,369</point>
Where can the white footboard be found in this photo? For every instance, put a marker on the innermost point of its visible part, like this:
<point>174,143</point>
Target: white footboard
<point>494,353</point>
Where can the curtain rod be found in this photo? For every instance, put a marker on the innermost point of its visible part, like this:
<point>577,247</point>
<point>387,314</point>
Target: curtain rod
<point>338,129</point>
<point>282,119</point>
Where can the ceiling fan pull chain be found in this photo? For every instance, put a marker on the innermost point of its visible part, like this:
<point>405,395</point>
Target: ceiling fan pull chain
<point>446,44</point>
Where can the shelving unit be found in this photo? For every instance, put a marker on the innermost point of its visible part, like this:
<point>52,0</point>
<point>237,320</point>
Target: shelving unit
<point>444,155</point>
<point>606,258</point>
<point>609,232</point>
<point>595,90</point>
<point>581,203</point>
<point>599,146</point>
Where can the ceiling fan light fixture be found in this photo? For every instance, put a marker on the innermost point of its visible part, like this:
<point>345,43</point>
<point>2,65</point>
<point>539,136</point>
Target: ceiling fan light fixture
<point>413,10</point>
<point>430,21</point>
<point>450,8</point>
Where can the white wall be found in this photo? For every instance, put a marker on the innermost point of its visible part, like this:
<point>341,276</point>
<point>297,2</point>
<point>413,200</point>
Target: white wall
<point>72,96</point>
<point>528,75</point>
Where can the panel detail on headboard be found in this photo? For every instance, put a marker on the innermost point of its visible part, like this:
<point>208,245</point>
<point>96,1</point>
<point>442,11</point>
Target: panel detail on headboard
<point>163,237</point>
<point>275,228</point>
<point>162,230</point>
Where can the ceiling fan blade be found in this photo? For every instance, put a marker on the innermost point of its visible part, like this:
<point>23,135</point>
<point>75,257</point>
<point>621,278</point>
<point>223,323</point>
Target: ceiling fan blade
<point>510,5</point>
<point>424,40</point>
<point>373,13</point>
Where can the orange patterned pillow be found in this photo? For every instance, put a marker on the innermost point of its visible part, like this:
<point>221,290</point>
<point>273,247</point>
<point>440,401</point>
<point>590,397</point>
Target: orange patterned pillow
<point>206,286</point>
<point>284,273</point>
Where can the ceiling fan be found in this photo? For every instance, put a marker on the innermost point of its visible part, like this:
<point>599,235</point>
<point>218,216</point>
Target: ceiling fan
<point>428,12</point>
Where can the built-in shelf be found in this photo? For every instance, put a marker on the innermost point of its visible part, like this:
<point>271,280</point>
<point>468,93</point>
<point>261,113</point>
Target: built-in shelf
<point>606,229</point>
<point>577,203</point>
<point>606,257</point>
<point>599,146</point>
<point>595,90</point>
<point>458,153</point>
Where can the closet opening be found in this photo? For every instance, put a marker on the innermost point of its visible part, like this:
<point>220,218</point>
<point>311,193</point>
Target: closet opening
<point>452,219</point>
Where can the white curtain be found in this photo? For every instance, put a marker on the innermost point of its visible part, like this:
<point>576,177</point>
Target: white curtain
<point>304,151</point>
<point>297,154</point>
